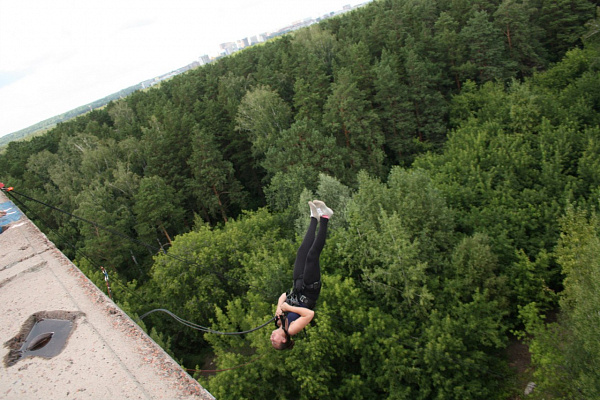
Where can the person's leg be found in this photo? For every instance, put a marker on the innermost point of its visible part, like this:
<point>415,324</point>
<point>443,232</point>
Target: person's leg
<point>312,268</point>
<point>304,248</point>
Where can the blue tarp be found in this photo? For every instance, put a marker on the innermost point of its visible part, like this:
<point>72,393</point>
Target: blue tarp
<point>13,214</point>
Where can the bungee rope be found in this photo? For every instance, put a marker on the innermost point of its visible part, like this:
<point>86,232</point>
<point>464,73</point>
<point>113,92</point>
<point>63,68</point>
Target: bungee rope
<point>177,318</point>
<point>151,248</point>
<point>12,192</point>
<point>203,328</point>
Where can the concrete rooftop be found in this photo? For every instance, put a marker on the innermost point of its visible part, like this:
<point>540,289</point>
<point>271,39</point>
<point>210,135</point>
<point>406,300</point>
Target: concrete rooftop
<point>106,355</point>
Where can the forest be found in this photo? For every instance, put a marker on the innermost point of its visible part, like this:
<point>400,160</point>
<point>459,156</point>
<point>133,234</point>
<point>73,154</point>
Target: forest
<point>43,126</point>
<point>458,143</point>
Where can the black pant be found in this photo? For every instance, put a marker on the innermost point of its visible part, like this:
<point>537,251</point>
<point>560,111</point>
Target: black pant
<point>307,271</point>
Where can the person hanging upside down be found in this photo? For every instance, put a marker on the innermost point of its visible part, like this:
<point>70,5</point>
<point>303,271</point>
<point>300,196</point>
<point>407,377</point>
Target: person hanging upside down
<point>295,310</point>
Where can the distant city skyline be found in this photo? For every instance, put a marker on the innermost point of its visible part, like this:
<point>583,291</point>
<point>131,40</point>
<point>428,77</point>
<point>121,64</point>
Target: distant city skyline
<point>57,56</point>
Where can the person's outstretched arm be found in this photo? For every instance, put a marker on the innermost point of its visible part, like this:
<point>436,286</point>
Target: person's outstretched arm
<point>306,315</point>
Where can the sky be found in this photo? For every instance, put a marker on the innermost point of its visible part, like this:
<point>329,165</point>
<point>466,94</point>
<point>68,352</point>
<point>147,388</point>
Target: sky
<point>56,55</point>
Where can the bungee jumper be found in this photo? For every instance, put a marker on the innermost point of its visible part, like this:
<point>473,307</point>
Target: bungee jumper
<point>295,309</point>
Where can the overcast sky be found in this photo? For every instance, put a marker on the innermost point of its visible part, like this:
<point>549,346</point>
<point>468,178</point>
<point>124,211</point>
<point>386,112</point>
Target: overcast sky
<point>56,55</point>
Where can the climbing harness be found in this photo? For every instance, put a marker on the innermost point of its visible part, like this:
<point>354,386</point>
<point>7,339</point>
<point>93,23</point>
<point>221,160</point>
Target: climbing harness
<point>296,297</point>
<point>299,300</point>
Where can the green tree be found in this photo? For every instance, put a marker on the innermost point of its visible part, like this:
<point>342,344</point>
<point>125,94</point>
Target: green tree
<point>394,108</point>
<point>156,210</point>
<point>98,204</point>
<point>320,44</point>
<point>354,366</point>
<point>214,185</point>
<point>314,50</point>
<point>449,48</point>
<point>427,106</point>
<point>475,270</point>
<point>458,356</point>
<point>397,276</point>
<point>356,57</point>
<point>577,254</point>
<point>351,119</point>
<point>205,268</point>
<point>486,59</point>
<point>563,22</point>
<point>309,96</point>
<point>166,140</point>
<point>303,147</point>
<point>404,229</point>
<point>232,89</point>
<point>124,119</point>
<point>522,35</point>
<point>588,165</point>
<point>564,353</point>
<point>262,115</point>
<point>295,161</point>
<point>274,66</point>
<point>286,186</point>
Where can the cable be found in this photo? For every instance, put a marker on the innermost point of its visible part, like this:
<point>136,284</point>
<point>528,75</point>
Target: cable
<point>114,232</point>
<point>78,251</point>
<point>180,320</point>
<point>203,328</point>
<point>154,249</point>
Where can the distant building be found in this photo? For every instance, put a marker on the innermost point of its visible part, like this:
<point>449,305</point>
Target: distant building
<point>205,59</point>
<point>228,48</point>
<point>231,47</point>
<point>243,43</point>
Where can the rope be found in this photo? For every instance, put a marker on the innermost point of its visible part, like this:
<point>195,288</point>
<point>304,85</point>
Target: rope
<point>203,328</point>
<point>178,319</point>
<point>114,232</point>
<point>12,192</point>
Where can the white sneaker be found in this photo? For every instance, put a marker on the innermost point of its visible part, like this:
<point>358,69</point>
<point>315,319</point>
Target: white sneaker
<point>322,209</point>
<point>314,213</point>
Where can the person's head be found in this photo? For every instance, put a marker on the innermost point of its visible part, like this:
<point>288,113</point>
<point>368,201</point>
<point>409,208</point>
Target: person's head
<point>280,340</point>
